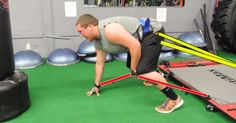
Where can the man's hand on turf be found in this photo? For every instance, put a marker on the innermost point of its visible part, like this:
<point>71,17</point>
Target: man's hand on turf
<point>133,73</point>
<point>94,90</point>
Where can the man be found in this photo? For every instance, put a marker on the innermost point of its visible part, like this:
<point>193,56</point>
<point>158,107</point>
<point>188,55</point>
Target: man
<point>121,34</point>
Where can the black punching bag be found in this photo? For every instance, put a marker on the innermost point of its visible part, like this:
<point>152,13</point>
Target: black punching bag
<point>7,65</point>
<point>14,92</point>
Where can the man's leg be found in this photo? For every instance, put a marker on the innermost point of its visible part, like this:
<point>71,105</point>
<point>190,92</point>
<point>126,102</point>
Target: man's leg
<point>173,101</point>
<point>148,84</point>
<point>151,50</point>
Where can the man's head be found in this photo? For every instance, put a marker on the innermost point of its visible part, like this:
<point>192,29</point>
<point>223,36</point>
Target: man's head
<point>86,25</point>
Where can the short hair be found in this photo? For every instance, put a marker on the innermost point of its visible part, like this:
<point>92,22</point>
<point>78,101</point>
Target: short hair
<point>86,19</point>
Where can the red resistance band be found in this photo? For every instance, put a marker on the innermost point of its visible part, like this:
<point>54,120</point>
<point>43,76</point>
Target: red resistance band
<point>115,79</point>
<point>156,82</point>
<point>174,86</point>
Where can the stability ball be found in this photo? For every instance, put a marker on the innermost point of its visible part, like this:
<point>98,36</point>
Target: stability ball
<point>63,57</point>
<point>193,38</point>
<point>26,59</point>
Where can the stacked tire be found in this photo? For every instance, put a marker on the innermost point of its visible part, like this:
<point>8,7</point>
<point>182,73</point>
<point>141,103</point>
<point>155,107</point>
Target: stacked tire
<point>224,25</point>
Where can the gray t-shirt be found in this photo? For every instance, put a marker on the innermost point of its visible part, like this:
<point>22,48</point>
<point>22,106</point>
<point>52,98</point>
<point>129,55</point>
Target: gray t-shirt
<point>130,24</point>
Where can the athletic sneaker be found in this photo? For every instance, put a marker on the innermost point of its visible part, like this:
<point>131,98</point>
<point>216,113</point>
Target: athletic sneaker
<point>170,105</point>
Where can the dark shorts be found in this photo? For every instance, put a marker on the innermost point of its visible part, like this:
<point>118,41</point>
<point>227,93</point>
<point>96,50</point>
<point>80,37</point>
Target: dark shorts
<point>150,52</point>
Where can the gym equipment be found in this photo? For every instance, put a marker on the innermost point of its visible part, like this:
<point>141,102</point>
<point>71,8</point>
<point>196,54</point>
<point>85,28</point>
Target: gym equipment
<point>207,77</point>
<point>185,55</point>
<point>63,57</point>
<point>195,50</point>
<point>121,56</point>
<point>86,49</point>
<point>27,59</point>
<point>168,3</point>
<point>6,50</point>
<point>109,58</point>
<point>87,52</point>
<point>14,93</point>
<point>225,62</point>
<point>219,75</point>
<point>167,55</point>
<point>207,36</point>
<point>198,27</point>
<point>217,100</point>
<point>125,76</point>
<point>193,38</point>
<point>165,48</point>
<point>14,96</point>
<point>223,25</point>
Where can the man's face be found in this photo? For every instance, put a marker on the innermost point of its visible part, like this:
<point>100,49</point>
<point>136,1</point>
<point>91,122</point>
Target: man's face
<point>86,32</point>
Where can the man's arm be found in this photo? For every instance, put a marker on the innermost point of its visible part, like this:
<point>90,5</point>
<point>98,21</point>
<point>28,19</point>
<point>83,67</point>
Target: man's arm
<point>101,58</point>
<point>115,33</point>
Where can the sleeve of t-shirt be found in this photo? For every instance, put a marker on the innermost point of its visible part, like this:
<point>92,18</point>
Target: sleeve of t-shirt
<point>97,45</point>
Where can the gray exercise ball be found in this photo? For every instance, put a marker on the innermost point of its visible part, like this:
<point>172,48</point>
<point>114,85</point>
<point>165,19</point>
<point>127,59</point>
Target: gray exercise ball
<point>109,58</point>
<point>165,48</point>
<point>26,59</point>
<point>63,57</point>
<point>121,56</point>
<point>167,55</point>
<point>193,38</point>
<point>86,48</point>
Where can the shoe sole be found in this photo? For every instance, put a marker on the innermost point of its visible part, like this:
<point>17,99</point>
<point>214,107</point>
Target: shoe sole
<point>177,106</point>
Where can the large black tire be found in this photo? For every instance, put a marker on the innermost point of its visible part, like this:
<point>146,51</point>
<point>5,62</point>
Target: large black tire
<point>224,25</point>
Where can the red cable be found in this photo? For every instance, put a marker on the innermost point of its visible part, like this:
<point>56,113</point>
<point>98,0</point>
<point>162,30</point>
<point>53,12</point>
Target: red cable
<point>174,86</point>
<point>115,79</point>
<point>154,81</point>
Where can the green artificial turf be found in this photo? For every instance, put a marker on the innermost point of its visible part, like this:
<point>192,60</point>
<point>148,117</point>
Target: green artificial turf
<point>58,95</point>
